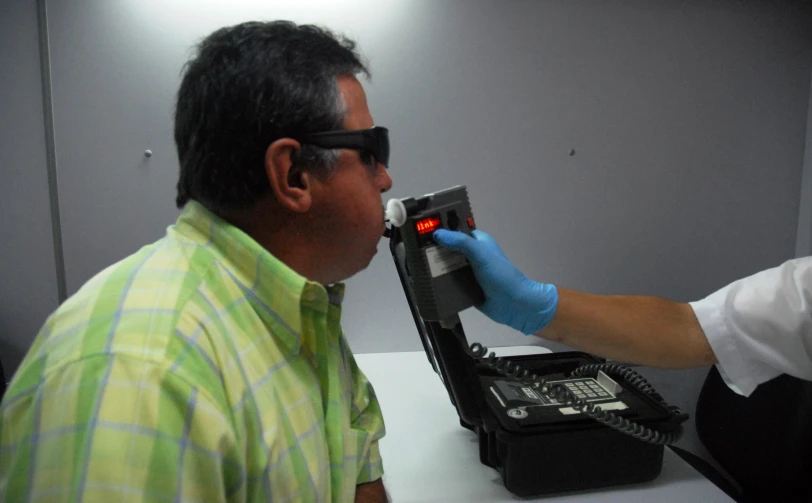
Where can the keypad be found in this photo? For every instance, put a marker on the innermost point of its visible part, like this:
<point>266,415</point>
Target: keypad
<point>587,389</point>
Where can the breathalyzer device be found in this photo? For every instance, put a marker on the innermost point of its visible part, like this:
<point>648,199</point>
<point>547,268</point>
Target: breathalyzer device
<point>443,280</point>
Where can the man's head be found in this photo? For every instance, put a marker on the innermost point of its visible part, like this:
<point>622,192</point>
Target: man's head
<point>247,104</point>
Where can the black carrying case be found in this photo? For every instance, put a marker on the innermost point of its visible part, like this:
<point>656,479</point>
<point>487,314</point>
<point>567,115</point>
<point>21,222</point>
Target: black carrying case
<point>537,456</point>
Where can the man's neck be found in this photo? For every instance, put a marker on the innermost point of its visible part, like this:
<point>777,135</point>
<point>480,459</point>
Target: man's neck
<point>284,235</point>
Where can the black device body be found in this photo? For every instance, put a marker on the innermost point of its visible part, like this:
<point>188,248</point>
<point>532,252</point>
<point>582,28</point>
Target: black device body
<point>546,451</point>
<point>443,280</point>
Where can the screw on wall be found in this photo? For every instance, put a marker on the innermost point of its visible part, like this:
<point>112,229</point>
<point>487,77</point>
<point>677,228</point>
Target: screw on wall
<point>148,153</point>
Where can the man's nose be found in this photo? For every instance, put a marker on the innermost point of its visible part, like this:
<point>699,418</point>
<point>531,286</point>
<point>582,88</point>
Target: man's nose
<point>386,180</point>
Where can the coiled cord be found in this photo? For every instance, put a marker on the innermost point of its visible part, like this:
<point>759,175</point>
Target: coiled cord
<point>568,399</point>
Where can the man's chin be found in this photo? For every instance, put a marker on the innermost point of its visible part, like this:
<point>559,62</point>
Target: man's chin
<point>360,268</point>
<point>369,260</point>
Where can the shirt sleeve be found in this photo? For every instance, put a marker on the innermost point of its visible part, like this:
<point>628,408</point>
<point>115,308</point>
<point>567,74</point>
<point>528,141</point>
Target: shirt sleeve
<point>761,327</point>
<point>366,419</point>
<point>112,428</point>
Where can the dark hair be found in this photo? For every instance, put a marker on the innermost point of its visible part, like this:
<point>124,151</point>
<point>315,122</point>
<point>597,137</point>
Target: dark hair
<point>247,86</point>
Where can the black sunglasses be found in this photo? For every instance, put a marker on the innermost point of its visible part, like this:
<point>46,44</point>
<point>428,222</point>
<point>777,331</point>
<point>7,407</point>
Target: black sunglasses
<point>375,141</point>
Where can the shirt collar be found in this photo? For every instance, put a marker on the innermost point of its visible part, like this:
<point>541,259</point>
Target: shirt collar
<point>277,293</point>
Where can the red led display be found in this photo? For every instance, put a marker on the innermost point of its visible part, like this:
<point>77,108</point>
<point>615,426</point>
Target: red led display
<point>427,225</point>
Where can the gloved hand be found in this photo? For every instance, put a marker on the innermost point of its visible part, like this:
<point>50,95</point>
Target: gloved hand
<point>511,298</point>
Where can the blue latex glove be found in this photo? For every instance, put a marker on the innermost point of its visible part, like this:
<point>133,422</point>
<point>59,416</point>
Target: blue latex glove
<point>511,298</point>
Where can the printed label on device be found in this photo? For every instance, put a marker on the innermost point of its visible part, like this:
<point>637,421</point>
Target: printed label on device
<point>443,261</point>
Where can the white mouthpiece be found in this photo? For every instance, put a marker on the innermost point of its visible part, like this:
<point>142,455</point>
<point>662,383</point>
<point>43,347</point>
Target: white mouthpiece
<point>395,212</point>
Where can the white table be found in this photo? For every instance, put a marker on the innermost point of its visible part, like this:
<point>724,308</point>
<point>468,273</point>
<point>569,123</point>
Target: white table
<point>429,457</point>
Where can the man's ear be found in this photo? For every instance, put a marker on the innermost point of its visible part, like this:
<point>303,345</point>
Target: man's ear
<point>289,183</point>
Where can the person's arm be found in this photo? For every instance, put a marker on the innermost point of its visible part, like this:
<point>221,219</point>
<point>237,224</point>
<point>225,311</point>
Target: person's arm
<point>645,330</point>
<point>636,329</point>
<point>367,428</point>
<point>371,492</point>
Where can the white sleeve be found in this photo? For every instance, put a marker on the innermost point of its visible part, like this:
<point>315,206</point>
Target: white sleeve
<point>761,327</point>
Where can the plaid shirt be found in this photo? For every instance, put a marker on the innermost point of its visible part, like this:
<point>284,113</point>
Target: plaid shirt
<point>198,369</point>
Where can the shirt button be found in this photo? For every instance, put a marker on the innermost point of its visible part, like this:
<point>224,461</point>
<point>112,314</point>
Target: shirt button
<point>310,296</point>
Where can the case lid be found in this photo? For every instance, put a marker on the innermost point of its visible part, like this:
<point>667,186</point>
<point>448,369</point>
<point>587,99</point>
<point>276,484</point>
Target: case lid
<point>446,351</point>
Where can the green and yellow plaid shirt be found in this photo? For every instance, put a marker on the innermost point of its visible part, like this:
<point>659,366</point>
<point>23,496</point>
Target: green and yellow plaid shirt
<point>200,369</point>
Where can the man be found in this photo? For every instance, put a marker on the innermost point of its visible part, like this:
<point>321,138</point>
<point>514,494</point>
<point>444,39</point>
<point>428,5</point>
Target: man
<point>756,328</point>
<point>210,365</point>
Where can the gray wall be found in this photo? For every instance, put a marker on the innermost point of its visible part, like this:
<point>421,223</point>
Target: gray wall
<point>803,245</point>
<point>688,122</point>
<point>28,291</point>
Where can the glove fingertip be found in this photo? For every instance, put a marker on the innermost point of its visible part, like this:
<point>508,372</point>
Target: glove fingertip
<point>446,238</point>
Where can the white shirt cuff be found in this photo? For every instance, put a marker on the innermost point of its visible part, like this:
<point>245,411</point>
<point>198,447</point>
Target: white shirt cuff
<point>710,312</point>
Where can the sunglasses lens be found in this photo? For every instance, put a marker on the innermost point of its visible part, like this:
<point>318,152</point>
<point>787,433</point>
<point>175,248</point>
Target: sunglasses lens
<point>383,146</point>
